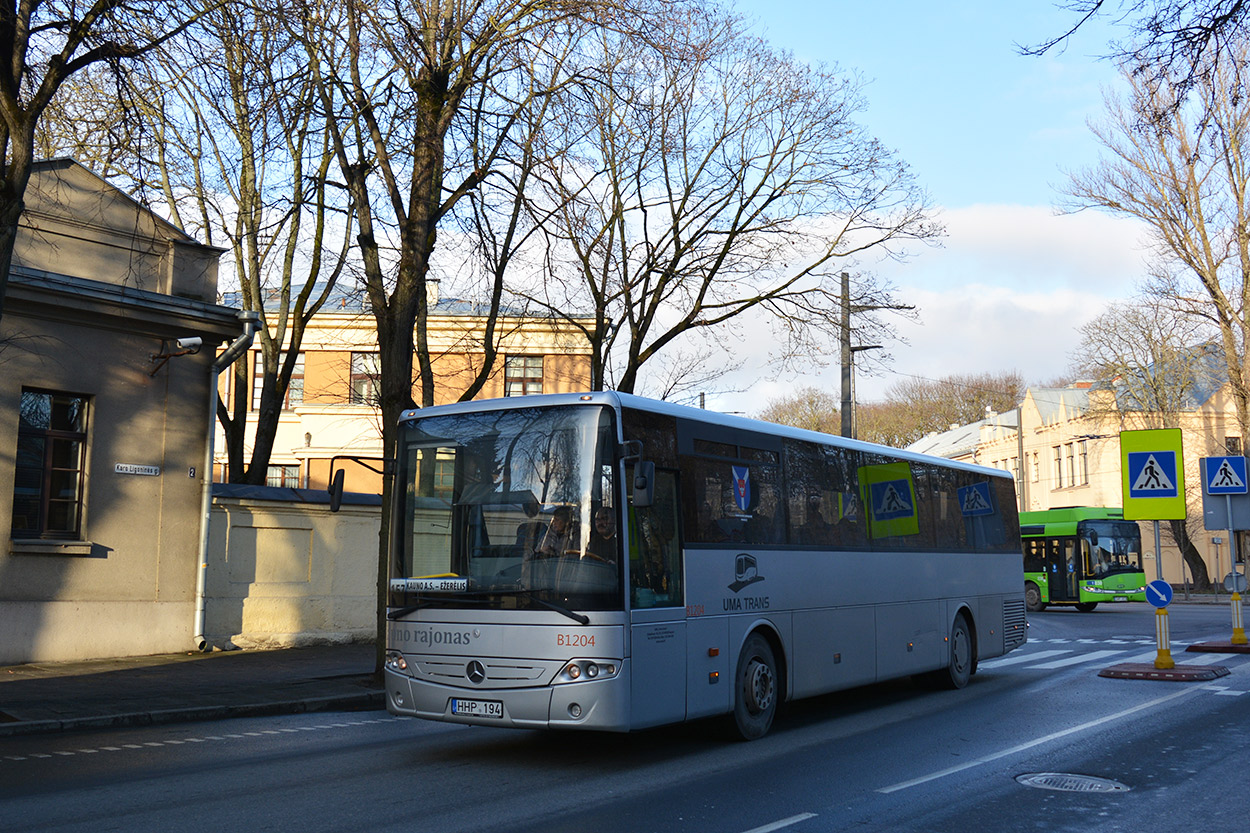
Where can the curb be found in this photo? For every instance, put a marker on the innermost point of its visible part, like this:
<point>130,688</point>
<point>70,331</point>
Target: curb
<point>367,701</point>
<point>1179,674</point>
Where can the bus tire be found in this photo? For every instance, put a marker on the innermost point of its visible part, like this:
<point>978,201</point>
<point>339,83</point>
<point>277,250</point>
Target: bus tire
<point>756,689</point>
<point>962,661</point>
<point>1086,607</point>
<point>1033,598</point>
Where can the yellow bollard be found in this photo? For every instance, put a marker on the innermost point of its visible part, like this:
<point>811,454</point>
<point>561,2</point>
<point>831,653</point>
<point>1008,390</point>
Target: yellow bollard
<point>1163,660</point>
<point>1239,633</point>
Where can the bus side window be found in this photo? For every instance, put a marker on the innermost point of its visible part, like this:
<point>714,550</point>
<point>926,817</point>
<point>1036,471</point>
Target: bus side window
<point>655,569</point>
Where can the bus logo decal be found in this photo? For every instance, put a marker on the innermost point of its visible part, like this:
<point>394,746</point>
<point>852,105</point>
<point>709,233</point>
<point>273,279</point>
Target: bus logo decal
<point>742,487</point>
<point>476,672</point>
<point>746,571</point>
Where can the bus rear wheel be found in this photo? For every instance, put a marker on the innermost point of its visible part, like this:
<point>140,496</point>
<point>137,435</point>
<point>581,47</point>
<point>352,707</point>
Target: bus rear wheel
<point>1086,607</point>
<point>755,689</point>
<point>1033,598</point>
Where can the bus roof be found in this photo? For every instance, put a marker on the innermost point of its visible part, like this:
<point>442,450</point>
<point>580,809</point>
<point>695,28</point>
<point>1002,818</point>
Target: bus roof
<point>1064,520</point>
<point>618,400</point>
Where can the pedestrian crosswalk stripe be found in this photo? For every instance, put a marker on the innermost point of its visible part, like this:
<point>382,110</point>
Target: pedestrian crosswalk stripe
<point>1079,658</point>
<point>1016,659</point>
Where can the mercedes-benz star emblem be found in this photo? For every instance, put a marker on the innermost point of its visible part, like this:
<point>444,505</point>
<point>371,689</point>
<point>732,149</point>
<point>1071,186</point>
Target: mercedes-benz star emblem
<point>476,672</point>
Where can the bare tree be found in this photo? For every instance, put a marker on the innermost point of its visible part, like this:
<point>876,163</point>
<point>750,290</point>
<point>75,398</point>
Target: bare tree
<point>244,155</point>
<point>809,407</point>
<point>926,405</point>
<point>423,99</point>
<point>223,129</point>
<point>709,177</point>
<point>1184,44</point>
<point>1158,363</point>
<point>1187,177</point>
<point>42,45</point>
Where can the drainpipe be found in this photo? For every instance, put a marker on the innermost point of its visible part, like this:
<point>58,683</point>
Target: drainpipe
<point>249,318</point>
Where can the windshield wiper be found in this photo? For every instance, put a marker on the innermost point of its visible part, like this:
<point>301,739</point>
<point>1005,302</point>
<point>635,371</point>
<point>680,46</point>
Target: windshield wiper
<point>429,600</point>
<point>580,618</point>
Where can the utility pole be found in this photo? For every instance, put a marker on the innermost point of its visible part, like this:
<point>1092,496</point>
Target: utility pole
<point>849,429</point>
<point>847,396</point>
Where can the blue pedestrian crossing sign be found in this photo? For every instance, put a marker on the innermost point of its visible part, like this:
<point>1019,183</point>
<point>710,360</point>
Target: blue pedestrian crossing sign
<point>975,499</point>
<point>1224,475</point>
<point>1152,474</point>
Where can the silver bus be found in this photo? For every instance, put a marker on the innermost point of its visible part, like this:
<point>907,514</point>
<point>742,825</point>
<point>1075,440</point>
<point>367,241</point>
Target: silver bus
<point>608,562</point>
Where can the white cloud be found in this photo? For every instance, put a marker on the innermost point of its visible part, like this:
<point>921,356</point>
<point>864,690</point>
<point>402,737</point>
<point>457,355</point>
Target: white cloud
<point>1007,292</point>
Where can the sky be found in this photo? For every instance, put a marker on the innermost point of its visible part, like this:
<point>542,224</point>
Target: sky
<point>992,136</point>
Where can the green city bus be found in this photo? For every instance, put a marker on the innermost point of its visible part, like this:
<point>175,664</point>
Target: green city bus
<point>1081,555</point>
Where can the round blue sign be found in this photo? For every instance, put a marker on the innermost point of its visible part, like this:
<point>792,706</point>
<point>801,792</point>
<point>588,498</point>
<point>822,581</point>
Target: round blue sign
<point>1159,593</point>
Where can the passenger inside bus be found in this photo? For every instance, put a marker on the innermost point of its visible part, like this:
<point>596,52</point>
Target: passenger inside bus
<point>815,530</point>
<point>562,536</point>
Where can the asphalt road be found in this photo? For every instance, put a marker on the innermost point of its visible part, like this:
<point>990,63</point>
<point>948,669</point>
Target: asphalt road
<point>887,757</point>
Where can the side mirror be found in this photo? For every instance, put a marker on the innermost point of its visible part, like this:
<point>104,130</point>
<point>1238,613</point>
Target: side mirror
<point>644,484</point>
<point>336,490</point>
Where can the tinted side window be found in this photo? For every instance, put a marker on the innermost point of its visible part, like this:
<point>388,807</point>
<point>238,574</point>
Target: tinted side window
<point>823,497</point>
<point>732,501</point>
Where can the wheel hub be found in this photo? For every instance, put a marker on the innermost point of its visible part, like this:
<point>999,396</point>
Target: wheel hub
<point>760,687</point>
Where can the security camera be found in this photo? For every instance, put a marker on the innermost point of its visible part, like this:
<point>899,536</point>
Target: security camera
<point>189,343</point>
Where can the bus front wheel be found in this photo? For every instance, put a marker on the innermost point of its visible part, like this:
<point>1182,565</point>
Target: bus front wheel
<point>1033,598</point>
<point>755,689</point>
<point>1086,607</point>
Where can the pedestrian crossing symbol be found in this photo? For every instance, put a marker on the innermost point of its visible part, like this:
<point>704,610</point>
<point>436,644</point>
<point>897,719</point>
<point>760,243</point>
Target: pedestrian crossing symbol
<point>1225,475</point>
<point>976,500</point>
<point>1152,478</point>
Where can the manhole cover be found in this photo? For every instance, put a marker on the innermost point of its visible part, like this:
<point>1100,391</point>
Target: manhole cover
<point>1067,782</point>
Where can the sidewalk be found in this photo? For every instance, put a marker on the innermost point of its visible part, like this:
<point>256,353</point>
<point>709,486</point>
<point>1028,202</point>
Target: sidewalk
<point>136,691</point>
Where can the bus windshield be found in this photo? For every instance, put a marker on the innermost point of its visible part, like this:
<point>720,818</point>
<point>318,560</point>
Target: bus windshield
<point>1113,547</point>
<point>511,509</point>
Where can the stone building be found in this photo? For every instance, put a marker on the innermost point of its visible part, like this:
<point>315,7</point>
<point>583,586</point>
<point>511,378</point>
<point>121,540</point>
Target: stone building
<point>107,346</point>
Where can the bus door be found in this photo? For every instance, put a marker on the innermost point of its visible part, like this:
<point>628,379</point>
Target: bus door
<point>658,608</point>
<point>1062,567</point>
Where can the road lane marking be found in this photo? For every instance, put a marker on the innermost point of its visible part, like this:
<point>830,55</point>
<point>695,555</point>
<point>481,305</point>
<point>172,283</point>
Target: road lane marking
<point>1024,747</point>
<point>778,825</point>
<point>206,738</point>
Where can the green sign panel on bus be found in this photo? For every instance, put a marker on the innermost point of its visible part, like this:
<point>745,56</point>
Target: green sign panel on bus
<point>1153,471</point>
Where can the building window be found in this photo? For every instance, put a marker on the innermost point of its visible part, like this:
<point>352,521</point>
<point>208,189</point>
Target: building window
<point>522,375</point>
<point>48,475</point>
<point>1233,444</point>
<point>366,371</point>
<point>285,476</point>
<point>1058,466</point>
<point>1083,463</point>
<point>1037,468</point>
<point>294,392</point>
<point>1071,450</point>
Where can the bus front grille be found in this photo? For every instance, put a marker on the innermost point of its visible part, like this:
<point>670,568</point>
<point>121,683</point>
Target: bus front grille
<point>485,672</point>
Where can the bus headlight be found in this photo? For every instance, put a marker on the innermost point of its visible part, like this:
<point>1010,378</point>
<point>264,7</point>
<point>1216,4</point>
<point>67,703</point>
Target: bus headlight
<point>589,669</point>
<point>395,661</point>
